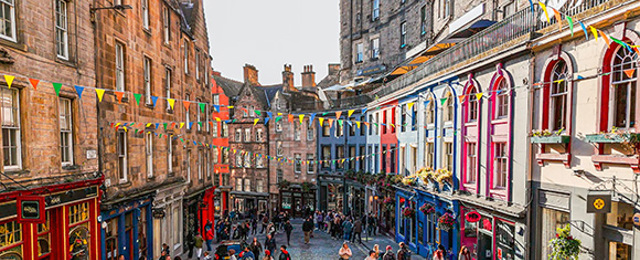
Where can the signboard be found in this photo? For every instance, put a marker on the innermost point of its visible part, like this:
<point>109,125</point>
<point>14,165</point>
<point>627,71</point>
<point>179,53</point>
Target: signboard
<point>31,209</point>
<point>472,217</point>
<point>636,219</point>
<point>598,203</point>
<point>371,70</point>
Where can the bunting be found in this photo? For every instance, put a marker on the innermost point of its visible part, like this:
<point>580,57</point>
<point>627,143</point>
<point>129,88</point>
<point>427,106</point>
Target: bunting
<point>171,102</point>
<point>79,90</point>
<point>100,93</point>
<point>9,79</point>
<point>57,87</point>
<point>137,97</point>
<point>34,83</point>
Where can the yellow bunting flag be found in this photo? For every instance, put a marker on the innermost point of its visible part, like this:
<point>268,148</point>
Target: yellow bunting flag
<point>479,95</point>
<point>301,118</point>
<point>181,125</point>
<point>594,32</point>
<point>255,121</point>
<point>321,120</point>
<point>546,14</point>
<point>350,112</point>
<point>171,102</point>
<point>100,93</point>
<point>358,124</point>
<point>410,105</point>
<point>9,79</point>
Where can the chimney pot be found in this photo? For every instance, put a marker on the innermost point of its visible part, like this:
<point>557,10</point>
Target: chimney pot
<point>251,74</point>
<point>308,76</point>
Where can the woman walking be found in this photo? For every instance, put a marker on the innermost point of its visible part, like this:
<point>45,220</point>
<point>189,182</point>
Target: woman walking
<point>464,254</point>
<point>345,251</point>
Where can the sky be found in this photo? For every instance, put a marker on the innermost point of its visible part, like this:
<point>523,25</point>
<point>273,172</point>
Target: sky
<point>270,33</point>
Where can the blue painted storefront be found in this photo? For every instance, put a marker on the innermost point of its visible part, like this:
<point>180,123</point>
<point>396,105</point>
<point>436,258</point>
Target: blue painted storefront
<point>128,243</point>
<point>421,233</point>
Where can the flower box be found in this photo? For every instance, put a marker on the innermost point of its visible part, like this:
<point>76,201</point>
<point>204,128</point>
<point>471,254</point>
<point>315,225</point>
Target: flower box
<point>556,139</point>
<point>604,139</point>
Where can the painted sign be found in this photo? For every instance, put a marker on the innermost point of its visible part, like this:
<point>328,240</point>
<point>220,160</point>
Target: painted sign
<point>30,209</point>
<point>636,219</point>
<point>472,217</point>
<point>371,70</point>
<point>598,203</point>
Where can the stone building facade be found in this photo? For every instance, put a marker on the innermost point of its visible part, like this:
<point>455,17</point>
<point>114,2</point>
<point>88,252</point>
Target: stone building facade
<point>49,139</point>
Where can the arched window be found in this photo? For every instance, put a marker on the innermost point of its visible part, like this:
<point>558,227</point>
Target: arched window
<point>558,96</point>
<point>472,114</point>
<point>502,100</point>
<point>448,108</point>
<point>623,83</point>
<point>430,114</point>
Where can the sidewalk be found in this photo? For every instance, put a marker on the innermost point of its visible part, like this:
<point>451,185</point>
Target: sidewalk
<point>382,241</point>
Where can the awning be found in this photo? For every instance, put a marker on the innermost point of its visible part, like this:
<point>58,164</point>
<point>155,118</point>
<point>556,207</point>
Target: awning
<point>338,87</point>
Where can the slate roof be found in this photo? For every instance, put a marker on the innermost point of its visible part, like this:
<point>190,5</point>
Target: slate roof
<point>187,9</point>
<point>230,87</point>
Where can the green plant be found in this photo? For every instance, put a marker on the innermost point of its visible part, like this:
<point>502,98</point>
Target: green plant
<point>284,184</point>
<point>307,186</point>
<point>564,246</point>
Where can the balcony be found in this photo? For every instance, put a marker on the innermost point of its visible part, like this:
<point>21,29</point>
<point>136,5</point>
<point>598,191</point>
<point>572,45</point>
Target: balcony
<point>584,9</point>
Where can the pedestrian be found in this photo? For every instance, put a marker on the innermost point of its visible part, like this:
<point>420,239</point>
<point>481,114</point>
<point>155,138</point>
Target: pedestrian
<point>256,247</point>
<point>265,222</point>
<point>371,222</point>
<point>254,226</point>
<point>270,243</point>
<point>208,237</point>
<point>464,253</point>
<point>247,254</point>
<point>371,256</point>
<point>207,256</point>
<point>357,231</point>
<point>163,255</point>
<point>307,227</point>
<point>166,249</point>
<point>267,255</point>
<point>121,257</point>
<point>376,248</point>
<point>347,227</point>
<point>287,229</point>
<point>284,255</point>
<point>197,243</point>
<point>345,251</point>
<point>389,255</point>
<point>440,253</point>
<point>403,252</point>
<point>232,252</point>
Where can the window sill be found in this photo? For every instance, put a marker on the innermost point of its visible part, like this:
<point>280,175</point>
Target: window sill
<point>66,62</point>
<point>632,161</point>
<point>501,120</point>
<point>147,31</point>
<point>124,183</point>
<point>13,44</point>
<point>470,187</point>
<point>15,171</point>
<point>70,167</point>
<point>541,158</point>
<point>498,192</point>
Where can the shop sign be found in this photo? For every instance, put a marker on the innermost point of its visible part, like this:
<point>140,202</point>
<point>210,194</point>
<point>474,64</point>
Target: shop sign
<point>371,70</point>
<point>31,209</point>
<point>598,203</point>
<point>472,217</point>
<point>499,253</point>
<point>636,219</point>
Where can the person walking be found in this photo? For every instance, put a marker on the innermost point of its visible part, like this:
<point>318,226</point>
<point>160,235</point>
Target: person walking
<point>287,229</point>
<point>464,253</point>
<point>347,228</point>
<point>307,227</point>
<point>376,248</point>
<point>256,247</point>
<point>371,224</point>
<point>403,252</point>
<point>345,251</point>
<point>357,231</point>
<point>247,254</point>
<point>254,226</point>
<point>371,256</point>
<point>265,222</point>
<point>284,255</point>
<point>440,254</point>
<point>389,255</point>
<point>270,243</point>
<point>208,237</point>
<point>267,255</point>
<point>197,244</point>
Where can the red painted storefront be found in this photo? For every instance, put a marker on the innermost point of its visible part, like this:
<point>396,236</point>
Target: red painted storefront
<point>219,198</point>
<point>388,137</point>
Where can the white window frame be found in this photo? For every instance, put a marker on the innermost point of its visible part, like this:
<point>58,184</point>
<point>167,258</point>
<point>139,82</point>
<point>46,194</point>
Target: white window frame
<point>247,135</point>
<point>66,132</point>
<point>149,154</point>
<point>197,64</point>
<point>403,34</point>
<point>14,127</point>
<point>375,48</point>
<point>279,126</point>
<point>216,155</point>
<point>198,116</point>
<point>200,164</point>
<point>12,20</point>
<point>62,25</point>
<point>310,163</point>
<point>144,5</point>
<point>187,114</point>
<point>120,67</point>
<point>297,167</point>
<point>214,130</point>
<point>359,52</point>
<point>296,132</point>
<point>259,162</point>
<point>147,80</point>
<point>238,137</point>
<point>501,166</point>
<point>310,131</point>
<point>188,162</point>
<point>186,56</point>
<point>247,160</point>
<point>259,135</point>
<point>279,148</point>
<point>375,13</point>
<point>170,154</point>
<point>123,166</point>
<point>167,75</point>
<point>472,163</point>
<point>166,24</point>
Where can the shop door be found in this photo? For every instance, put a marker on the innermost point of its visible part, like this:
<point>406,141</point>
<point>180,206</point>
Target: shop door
<point>297,212</point>
<point>128,233</point>
<point>485,246</point>
<point>619,251</point>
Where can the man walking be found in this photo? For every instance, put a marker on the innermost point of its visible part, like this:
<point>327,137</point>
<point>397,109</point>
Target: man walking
<point>198,245</point>
<point>347,228</point>
<point>357,231</point>
<point>256,248</point>
<point>270,243</point>
<point>287,229</point>
<point>307,227</point>
<point>208,236</point>
<point>284,255</point>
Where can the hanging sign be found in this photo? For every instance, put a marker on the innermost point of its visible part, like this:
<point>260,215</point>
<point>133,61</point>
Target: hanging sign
<point>472,217</point>
<point>31,209</point>
<point>598,203</point>
<point>636,219</point>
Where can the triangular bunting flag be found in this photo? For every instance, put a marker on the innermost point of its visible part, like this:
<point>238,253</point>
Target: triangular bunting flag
<point>278,118</point>
<point>358,124</point>
<point>79,90</point>
<point>630,72</point>
<point>137,97</point>
<point>202,107</point>
<point>9,79</point>
<point>558,19</point>
<point>338,113</point>
<point>443,100</point>
<point>594,32</point>
<point>479,95</point>
<point>119,95</point>
<point>171,102</point>
<point>57,87</point>
<point>255,121</point>
<point>350,112</point>
<point>186,104</point>
<point>410,105</point>
<point>570,21</point>
<point>321,120</point>
<point>461,97</point>
<point>181,125</point>
<point>258,112</point>
<point>546,14</point>
<point>290,118</point>
<point>584,28</point>
<point>311,117</point>
<point>301,118</point>
<point>216,108</point>
<point>154,99</point>
<point>606,39</point>
<point>34,83</point>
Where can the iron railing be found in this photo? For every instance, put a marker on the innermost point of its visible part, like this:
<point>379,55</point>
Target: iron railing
<point>572,11</point>
<point>351,101</point>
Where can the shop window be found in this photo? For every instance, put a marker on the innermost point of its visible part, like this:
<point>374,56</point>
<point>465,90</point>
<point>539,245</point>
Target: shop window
<point>551,220</point>
<point>401,223</point>
<point>11,240</point>
<point>79,242</point>
<point>504,239</point>
<point>111,239</point>
<point>44,236</point>
<point>142,231</point>
<point>78,213</point>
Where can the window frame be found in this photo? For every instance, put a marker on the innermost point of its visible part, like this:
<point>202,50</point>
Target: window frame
<point>149,154</point>
<point>12,20</point>
<point>120,67</point>
<point>359,52</point>
<point>403,34</point>
<point>123,164</point>
<point>375,10</point>
<point>68,116</point>
<point>146,20</point>
<point>62,30</point>
<point>15,127</point>
<point>166,25</point>
<point>147,80</point>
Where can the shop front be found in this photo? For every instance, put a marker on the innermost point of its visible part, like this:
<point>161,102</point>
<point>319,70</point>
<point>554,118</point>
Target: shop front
<point>71,208</point>
<point>127,229</point>
<point>331,193</point>
<point>297,202</point>
<point>247,202</point>
<point>417,223</point>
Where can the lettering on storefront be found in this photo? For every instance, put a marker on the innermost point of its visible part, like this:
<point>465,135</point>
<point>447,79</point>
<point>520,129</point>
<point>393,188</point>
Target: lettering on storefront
<point>30,209</point>
<point>473,217</point>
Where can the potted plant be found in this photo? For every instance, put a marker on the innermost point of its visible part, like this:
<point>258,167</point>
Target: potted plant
<point>564,246</point>
<point>446,222</point>
<point>408,212</point>
<point>443,175</point>
<point>548,137</point>
<point>306,186</point>
<point>409,180</point>
<point>284,184</point>
<point>427,209</point>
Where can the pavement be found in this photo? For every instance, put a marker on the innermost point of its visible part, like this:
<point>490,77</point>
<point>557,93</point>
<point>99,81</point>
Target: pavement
<point>321,246</point>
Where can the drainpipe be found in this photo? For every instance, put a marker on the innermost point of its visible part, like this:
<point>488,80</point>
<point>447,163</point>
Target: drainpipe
<point>97,79</point>
<point>529,236</point>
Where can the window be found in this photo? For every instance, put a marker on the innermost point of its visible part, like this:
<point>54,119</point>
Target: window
<point>239,184</point>
<point>309,130</point>
<point>238,160</point>
<point>296,131</point>
<point>359,52</point>
<point>279,149</point>
<point>186,57</point>
<point>198,116</point>
<point>11,235</point>
<point>188,166</point>
<point>145,14</point>
<point>260,186</point>
<point>559,93</point>
<point>414,117</point>
<point>393,159</point>
<point>7,20</point>
<point>551,221</point>
<point>149,154</point>
<point>375,15</point>
<point>120,84</point>
<point>216,155</point>
<point>446,9</point>
<point>326,130</point>
<point>247,135</point>
<point>502,105</point>
<point>225,130</point>
<point>78,213</point>
<point>66,131</point>
<point>200,164</point>
<point>44,236</point>
<point>472,114</point>
<point>225,156</point>
<point>384,122</point>
<point>214,130</point>
<point>508,9</point>
<point>147,80</point>
<point>244,112</point>
<point>403,34</point>
<point>428,154</point>
<point>361,163</point>
<point>340,156</point>
<point>352,127</point>
<point>375,48</point>
<point>371,125</point>
<point>216,99</point>
<point>279,175</point>
<point>472,163</point>
<point>383,158</point>
<point>423,20</point>
<point>62,37</point>
<point>501,164</point>
<point>377,127</point>
<point>361,125</point>
<point>122,156</point>
<point>259,162</point>
<point>403,118</point>
<point>279,126</point>
<point>197,64</point>
<point>187,114</point>
<point>326,156</point>
<point>167,87</point>
<point>310,164</point>
<point>298,163</point>
<point>448,156</point>
<point>238,135</point>
<point>624,87</point>
<point>339,129</point>
<point>352,154</point>
<point>430,112</point>
<point>166,24</point>
<point>170,155</point>
<point>448,108</point>
<point>247,160</point>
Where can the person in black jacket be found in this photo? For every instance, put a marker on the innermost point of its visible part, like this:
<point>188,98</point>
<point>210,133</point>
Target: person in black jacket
<point>307,227</point>
<point>287,229</point>
<point>270,243</point>
<point>256,248</point>
<point>284,255</point>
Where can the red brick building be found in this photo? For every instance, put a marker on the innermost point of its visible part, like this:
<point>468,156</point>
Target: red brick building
<point>49,148</point>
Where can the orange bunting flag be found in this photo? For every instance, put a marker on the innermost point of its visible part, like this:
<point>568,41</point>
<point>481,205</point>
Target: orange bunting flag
<point>350,112</point>
<point>366,123</point>
<point>558,19</point>
<point>119,95</point>
<point>461,97</point>
<point>321,120</point>
<point>338,113</point>
<point>290,118</point>
<point>329,121</point>
<point>100,93</point>
<point>34,83</point>
<point>9,79</point>
<point>301,118</point>
<point>630,72</point>
<point>606,39</point>
<point>186,104</point>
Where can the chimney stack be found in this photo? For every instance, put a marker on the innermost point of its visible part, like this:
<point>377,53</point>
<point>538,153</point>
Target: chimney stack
<point>308,77</point>
<point>251,75</point>
<point>334,68</point>
<point>287,78</point>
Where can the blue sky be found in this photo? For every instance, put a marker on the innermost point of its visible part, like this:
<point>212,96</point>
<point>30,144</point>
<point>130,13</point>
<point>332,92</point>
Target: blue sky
<point>270,33</point>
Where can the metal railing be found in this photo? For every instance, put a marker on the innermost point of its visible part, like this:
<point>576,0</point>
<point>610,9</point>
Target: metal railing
<point>513,27</point>
<point>351,101</point>
<point>572,11</point>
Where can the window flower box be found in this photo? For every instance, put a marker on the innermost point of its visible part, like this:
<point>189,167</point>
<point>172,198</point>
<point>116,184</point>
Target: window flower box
<point>554,139</point>
<point>604,138</point>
